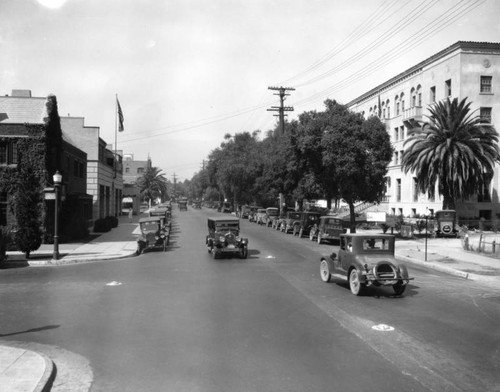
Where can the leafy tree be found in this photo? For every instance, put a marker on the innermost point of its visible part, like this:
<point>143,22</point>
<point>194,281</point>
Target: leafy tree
<point>453,149</point>
<point>356,153</point>
<point>153,185</point>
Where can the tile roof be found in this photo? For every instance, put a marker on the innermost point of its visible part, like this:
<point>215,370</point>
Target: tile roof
<point>20,110</point>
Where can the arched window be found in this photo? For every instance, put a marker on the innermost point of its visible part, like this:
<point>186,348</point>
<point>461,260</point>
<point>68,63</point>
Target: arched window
<point>419,95</point>
<point>413,97</point>
<point>387,105</point>
<point>402,98</point>
<point>396,104</point>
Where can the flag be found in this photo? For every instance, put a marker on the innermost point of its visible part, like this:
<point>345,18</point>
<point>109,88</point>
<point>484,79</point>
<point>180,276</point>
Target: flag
<point>120,115</point>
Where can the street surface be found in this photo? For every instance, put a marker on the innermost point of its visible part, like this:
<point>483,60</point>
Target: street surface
<point>182,321</point>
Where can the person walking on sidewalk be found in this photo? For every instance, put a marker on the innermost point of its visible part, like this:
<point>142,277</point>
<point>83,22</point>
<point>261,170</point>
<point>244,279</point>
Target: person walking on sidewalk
<point>130,214</point>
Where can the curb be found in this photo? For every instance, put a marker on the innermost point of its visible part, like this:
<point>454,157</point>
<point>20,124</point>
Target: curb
<point>437,267</point>
<point>47,380</point>
<point>60,262</point>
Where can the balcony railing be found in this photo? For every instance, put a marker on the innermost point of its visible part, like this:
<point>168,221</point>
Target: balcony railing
<point>414,113</point>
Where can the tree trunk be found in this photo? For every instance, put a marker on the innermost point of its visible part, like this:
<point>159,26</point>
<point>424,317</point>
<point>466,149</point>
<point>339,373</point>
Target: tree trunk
<point>352,215</point>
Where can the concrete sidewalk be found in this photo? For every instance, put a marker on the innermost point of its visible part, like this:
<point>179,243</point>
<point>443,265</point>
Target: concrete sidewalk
<point>25,370</point>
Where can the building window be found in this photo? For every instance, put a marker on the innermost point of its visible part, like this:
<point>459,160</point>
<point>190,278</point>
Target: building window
<point>140,170</point>
<point>447,88</point>
<point>485,115</point>
<point>484,195</point>
<point>8,153</point>
<point>432,96</point>
<point>397,108</point>
<point>402,132</point>
<point>486,84</point>
<point>396,158</point>
<point>127,170</point>
<point>396,134</point>
<point>398,189</point>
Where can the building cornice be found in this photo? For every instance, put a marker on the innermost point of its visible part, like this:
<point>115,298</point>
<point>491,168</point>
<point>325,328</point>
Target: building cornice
<point>463,46</point>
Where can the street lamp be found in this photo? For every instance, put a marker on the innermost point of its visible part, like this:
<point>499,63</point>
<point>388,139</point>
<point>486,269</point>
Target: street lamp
<point>57,177</point>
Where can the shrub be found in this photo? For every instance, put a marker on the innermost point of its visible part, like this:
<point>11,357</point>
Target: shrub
<point>5,241</point>
<point>102,225</point>
<point>28,239</point>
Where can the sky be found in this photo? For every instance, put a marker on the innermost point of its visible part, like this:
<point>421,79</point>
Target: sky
<point>188,72</point>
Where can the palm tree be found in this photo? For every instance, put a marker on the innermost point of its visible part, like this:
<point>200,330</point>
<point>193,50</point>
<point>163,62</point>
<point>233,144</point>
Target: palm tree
<point>455,149</point>
<point>152,185</point>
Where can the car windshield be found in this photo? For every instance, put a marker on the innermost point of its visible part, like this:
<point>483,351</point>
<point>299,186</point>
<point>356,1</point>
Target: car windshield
<point>226,227</point>
<point>149,226</point>
<point>294,215</point>
<point>375,244</point>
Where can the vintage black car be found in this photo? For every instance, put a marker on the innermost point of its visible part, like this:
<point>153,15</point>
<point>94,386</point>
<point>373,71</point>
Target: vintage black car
<point>154,234</point>
<point>366,260</point>
<point>162,212</point>
<point>183,205</point>
<point>224,237</point>
<point>292,219</point>
<point>328,228</point>
<point>306,223</point>
<point>197,204</point>
<point>244,212</point>
<point>272,214</point>
<point>446,221</point>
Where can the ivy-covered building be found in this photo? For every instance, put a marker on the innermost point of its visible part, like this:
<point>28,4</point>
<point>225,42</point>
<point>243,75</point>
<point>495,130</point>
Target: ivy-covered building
<point>32,149</point>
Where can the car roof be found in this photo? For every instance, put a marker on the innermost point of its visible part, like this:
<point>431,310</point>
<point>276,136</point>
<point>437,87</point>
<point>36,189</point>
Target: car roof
<point>150,219</point>
<point>227,219</point>
<point>367,235</point>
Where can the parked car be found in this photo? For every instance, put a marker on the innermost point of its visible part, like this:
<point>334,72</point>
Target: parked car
<point>224,237</point>
<point>183,204</point>
<point>446,223</point>
<point>292,219</point>
<point>245,211</point>
<point>328,228</point>
<point>153,234</point>
<point>164,213</point>
<point>252,215</point>
<point>366,260</point>
<point>261,216</point>
<point>272,214</point>
<point>197,204</point>
<point>307,222</point>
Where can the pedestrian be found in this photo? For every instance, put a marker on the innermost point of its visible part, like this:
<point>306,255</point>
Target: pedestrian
<point>130,213</point>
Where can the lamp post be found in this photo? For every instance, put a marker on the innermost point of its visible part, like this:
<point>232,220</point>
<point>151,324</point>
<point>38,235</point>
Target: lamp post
<point>57,177</point>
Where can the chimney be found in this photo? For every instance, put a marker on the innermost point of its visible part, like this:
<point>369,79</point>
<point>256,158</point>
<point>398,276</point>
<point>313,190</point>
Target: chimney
<point>21,93</point>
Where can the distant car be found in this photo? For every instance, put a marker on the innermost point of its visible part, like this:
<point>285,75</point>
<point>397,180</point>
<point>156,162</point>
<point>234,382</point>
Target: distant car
<point>306,223</point>
<point>328,228</point>
<point>245,212</point>
<point>224,237</point>
<point>261,216</point>
<point>252,215</point>
<point>183,205</point>
<point>197,204</point>
<point>292,219</point>
<point>446,223</point>
<point>272,214</point>
<point>366,260</point>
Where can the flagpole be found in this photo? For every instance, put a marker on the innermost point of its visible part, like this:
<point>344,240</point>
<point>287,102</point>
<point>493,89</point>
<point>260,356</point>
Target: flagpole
<point>116,134</point>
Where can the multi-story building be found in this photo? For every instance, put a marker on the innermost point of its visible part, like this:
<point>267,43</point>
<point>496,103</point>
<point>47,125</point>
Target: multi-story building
<point>20,114</point>
<point>464,70</point>
<point>132,171</point>
<point>104,167</point>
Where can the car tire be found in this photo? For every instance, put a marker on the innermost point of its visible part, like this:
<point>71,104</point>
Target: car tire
<point>319,238</point>
<point>399,288</point>
<point>311,235</point>
<point>214,254</point>
<point>301,232</point>
<point>243,252</point>
<point>355,283</point>
<point>324,271</point>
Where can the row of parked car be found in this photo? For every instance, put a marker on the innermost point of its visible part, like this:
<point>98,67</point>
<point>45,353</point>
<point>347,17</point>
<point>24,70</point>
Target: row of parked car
<point>302,223</point>
<point>363,259</point>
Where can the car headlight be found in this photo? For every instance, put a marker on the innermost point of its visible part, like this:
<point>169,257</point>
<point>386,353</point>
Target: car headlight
<point>222,238</point>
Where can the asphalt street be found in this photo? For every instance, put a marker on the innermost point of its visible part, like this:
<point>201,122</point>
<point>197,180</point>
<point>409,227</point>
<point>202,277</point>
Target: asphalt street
<point>182,321</point>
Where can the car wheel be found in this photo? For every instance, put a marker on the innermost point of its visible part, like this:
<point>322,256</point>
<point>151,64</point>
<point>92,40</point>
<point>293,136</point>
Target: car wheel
<point>324,271</point>
<point>301,232</point>
<point>399,288</point>
<point>214,254</point>
<point>243,252</point>
<point>319,238</point>
<point>355,283</point>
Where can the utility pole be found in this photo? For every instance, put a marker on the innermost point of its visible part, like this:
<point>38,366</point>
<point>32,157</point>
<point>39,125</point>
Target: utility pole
<point>203,164</point>
<point>281,109</point>
<point>175,186</point>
